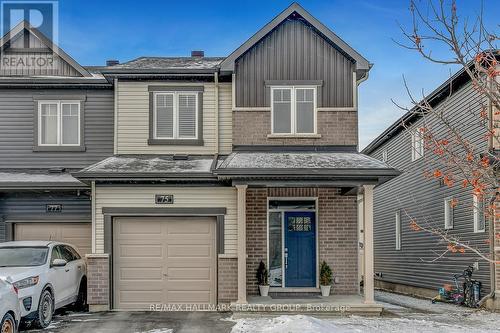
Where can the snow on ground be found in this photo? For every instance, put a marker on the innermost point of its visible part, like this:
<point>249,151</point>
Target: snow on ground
<point>159,330</point>
<point>404,314</point>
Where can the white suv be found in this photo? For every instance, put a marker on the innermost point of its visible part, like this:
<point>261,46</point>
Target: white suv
<point>9,308</point>
<point>48,275</point>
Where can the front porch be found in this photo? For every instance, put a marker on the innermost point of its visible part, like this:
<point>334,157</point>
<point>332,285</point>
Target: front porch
<point>330,305</point>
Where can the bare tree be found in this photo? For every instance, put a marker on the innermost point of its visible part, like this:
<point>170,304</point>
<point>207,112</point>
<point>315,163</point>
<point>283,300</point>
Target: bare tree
<point>442,36</point>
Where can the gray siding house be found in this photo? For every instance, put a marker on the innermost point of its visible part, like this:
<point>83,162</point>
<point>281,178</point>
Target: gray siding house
<point>177,176</point>
<point>55,118</point>
<point>406,260</point>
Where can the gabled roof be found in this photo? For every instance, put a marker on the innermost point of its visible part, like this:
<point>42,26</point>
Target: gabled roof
<point>24,25</point>
<point>362,64</point>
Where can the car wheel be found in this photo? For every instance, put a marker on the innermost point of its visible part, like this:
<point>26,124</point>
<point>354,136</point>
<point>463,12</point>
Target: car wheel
<point>8,324</point>
<point>45,310</point>
<point>81,301</point>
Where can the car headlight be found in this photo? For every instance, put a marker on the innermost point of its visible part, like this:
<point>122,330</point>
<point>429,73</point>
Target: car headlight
<point>26,283</point>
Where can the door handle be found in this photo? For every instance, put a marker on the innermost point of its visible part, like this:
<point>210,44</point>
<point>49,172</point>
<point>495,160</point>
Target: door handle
<point>66,270</point>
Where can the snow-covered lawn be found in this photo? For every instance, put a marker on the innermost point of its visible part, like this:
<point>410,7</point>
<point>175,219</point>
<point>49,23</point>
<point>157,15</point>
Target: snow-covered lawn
<point>406,314</point>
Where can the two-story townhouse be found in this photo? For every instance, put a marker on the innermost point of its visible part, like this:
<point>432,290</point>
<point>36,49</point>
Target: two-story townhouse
<point>56,117</point>
<point>409,261</point>
<point>221,163</point>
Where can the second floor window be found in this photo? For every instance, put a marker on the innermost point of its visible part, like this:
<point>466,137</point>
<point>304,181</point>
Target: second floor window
<point>176,115</point>
<point>59,123</point>
<point>479,214</point>
<point>398,229</point>
<point>293,110</point>
<point>417,144</point>
<point>448,213</point>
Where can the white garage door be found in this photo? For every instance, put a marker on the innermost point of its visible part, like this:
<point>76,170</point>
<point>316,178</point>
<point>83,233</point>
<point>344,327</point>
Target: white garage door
<point>163,261</point>
<point>77,234</point>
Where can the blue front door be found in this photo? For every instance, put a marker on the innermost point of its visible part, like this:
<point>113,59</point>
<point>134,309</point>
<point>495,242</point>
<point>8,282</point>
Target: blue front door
<point>300,249</point>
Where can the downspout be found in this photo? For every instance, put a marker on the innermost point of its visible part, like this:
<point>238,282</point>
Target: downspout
<point>491,231</point>
<point>216,116</point>
<point>115,125</point>
<point>93,204</point>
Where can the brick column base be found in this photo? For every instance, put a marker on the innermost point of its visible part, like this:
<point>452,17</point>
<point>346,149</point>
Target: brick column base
<point>227,281</point>
<point>98,282</point>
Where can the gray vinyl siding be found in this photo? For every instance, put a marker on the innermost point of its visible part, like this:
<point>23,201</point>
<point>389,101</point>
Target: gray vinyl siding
<point>294,51</point>
<point>423,199</point>
<point>17,129</point>
<point>31,206</point>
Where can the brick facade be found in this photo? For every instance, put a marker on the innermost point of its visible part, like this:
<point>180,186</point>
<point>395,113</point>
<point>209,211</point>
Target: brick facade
<point>98,282</point>
<point>335,128</point>
<point>227,280</point>
<point>337,233</point>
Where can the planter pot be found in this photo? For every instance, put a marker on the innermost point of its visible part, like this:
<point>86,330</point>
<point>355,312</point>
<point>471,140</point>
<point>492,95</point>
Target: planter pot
<point>325,290</point>
<point>264,290</point>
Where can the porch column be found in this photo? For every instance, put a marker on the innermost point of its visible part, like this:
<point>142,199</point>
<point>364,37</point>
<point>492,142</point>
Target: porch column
<point>368,244</point>
<point>242,245</point>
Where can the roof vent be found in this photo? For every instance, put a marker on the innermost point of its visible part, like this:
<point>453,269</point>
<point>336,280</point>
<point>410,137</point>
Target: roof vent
<point>197,53</point>
<point>112,62</point>
<point>180,157</point>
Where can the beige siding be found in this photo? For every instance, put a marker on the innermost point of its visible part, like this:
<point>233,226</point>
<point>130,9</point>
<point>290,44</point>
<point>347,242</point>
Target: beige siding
<point>133,120</point>
<point>143,196</point>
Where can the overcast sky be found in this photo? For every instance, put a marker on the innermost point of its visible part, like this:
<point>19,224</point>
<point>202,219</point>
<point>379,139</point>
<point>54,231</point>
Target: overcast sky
<point>92,31</point>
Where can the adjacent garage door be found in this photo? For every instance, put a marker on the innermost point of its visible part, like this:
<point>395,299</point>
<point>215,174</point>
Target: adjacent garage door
<point>77,234</point>
<point>164,260</point>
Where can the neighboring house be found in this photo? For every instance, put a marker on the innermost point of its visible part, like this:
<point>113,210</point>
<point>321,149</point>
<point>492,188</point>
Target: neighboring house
<point>55,117</point>
<point>218,164</point>
<point>409,261</point>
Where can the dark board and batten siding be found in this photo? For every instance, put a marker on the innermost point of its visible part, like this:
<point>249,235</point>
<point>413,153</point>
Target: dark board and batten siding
<point>32,206</point>
<point>423,199</point>
<point>294,51</point>
<point>16,130</point>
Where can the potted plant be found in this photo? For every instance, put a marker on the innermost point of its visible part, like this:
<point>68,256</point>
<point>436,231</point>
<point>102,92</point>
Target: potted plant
<point>262,279</point>
<point>325,279</point>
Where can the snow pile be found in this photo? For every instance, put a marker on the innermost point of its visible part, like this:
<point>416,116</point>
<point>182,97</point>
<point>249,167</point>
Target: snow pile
<point>286,324</point>
<point>481,322</point>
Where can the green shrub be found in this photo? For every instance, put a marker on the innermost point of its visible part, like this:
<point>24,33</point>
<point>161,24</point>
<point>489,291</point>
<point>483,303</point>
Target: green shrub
<point>262,275</point>
<point>325,274</point>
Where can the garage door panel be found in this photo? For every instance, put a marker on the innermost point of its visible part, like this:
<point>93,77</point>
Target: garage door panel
<point>136,274</point>
<point>189,273</point>
<point>183,251</point>
<point>77,234</point>
<point>178,261</point>
<point>140,297</point>
<point>131,227</point>
<point>189,296</point>
<point>141,251</point>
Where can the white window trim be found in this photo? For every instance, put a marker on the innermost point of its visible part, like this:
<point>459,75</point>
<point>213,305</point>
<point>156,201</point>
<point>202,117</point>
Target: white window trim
<point>414,134</point>
<point>397,228</point>
<point>477,215</point>
<point>59,104</point>
<point>293,102</point>
<point>175,131</point>
<point>448,220</point>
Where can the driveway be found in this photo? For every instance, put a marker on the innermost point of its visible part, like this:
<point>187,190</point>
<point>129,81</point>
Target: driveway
<point>402,314</point>
<point>140,322</point>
